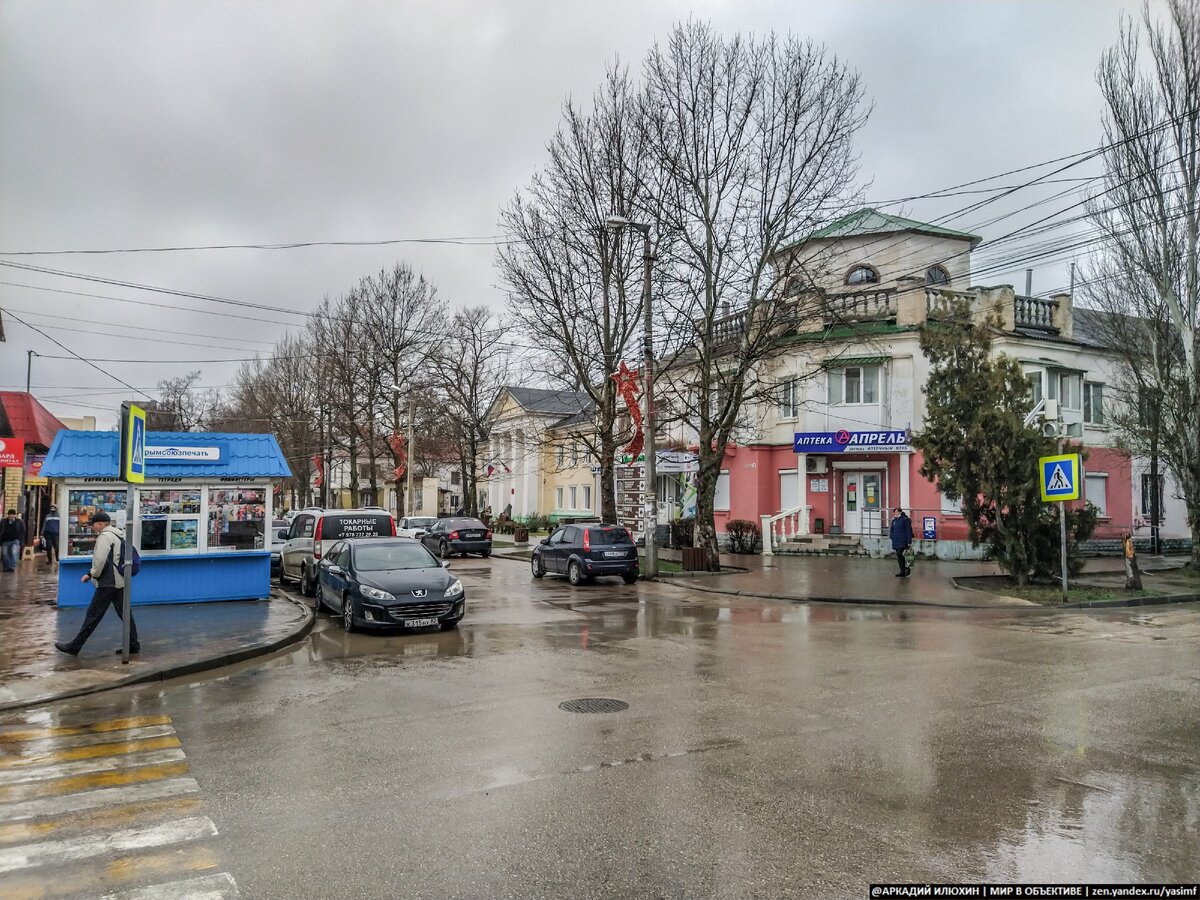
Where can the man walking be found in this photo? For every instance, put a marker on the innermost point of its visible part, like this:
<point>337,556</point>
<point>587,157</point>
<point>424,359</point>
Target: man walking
<point>50,535</point>
<point>901,534</point>
<point>12,539</point>
<point>110,585</point>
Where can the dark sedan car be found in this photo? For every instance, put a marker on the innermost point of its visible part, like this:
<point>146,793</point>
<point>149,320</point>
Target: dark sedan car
<point>388,581</point>
<point>445,537</point>
<point>581,552</point>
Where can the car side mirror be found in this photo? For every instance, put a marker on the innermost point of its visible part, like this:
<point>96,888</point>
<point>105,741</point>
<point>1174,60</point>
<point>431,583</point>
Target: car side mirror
<point>445,564</point>
<point>282,534</point>
<point>544,540</point>
<point>335,570</point>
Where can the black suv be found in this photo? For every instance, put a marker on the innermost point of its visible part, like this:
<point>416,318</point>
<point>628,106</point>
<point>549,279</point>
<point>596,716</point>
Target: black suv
<point>581,552</point>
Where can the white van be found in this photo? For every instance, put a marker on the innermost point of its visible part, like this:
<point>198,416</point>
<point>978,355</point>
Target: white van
<point>312,532</point>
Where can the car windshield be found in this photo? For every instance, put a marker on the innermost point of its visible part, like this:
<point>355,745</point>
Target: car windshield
<point>380,556</point>
<point>609,536</point>
<point>421,523</point>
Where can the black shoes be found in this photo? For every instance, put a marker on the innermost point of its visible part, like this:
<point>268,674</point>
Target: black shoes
<point>65,648</point>
<point>132,650</point>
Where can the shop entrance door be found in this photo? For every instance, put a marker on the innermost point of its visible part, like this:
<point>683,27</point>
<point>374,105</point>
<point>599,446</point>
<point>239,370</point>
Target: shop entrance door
<point>862,502</point>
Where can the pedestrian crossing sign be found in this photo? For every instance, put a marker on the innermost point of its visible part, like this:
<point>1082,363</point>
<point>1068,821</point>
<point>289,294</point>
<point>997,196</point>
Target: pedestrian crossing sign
<point>133,443</point>
<point>1060,477</point>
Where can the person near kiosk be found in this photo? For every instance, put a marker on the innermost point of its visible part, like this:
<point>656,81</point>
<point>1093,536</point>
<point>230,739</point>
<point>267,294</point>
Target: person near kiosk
<point>901,533</point>
<point>110,585</point>
<point>50,526</point>
<point>12,539</point>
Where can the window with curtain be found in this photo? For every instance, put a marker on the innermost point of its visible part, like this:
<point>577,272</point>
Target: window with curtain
<point>1095,487</point>
<point>721,499</point>
<point>1093,403</point>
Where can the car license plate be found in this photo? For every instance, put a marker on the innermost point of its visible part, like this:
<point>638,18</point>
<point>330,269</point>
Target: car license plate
<point>614,554</point>
<point>419,623</point>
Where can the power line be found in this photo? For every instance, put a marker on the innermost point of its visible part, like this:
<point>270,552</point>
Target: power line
<point>75,355</point>
<point>496,240</point>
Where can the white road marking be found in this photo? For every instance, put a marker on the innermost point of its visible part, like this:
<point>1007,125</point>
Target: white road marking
<point>69,803</point>
<point>41,745</point>
<point>89,766</point>
<point>49,853</point>
<point>206,887</point>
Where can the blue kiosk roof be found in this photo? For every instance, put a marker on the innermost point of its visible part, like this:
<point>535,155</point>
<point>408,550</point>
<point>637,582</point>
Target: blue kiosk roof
<point>94,454</point>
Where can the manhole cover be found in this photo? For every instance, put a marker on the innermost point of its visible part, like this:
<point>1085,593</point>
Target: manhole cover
<point>593,705</point>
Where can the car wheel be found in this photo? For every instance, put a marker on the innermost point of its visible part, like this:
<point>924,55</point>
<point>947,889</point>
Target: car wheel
<point>538,567</point>
<point>308,586</point>
<point>630,577</point>
<point>444,550</point>
<point>486,553</point>
<point>347,614</point>
<point>575,574</point>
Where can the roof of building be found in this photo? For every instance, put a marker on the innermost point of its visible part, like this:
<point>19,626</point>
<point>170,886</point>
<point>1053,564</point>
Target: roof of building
<point>21,415</point>
<point>872,221</point>
<point>93,454</point>
<point>549,402</point>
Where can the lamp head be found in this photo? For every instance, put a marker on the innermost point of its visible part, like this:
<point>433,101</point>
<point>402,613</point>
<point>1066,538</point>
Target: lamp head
<point>615,223</point>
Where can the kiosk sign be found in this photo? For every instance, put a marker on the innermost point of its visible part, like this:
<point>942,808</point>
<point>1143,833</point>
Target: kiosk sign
<point>133,443</point>
<point>1060,477</point>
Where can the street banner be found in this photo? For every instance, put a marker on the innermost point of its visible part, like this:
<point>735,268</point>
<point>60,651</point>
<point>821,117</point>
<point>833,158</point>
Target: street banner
<point>12,452</point>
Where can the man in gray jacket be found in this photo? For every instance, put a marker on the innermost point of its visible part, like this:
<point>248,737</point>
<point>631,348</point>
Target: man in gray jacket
<point>110,585</point>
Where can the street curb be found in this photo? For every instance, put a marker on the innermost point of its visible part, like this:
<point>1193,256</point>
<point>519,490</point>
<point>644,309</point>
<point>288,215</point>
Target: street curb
<point>1159,600</point>
<point>190,668</point>
<point>846,601</point>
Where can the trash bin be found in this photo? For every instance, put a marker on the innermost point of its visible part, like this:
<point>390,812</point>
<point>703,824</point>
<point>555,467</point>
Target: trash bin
<point>520,535</point>
<point>695,559</point>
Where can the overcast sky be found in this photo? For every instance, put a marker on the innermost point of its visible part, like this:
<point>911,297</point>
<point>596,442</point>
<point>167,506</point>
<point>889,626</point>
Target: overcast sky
<point>126,125</point>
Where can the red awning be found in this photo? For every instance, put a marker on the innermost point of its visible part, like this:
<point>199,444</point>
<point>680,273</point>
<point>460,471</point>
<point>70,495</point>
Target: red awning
<point>28,419</point>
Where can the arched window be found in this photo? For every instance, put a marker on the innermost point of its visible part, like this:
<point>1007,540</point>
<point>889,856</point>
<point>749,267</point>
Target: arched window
<point>862,275</point>
<point>936,275</point>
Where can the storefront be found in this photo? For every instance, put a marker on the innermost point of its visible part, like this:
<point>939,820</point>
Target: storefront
<point>200,520</point>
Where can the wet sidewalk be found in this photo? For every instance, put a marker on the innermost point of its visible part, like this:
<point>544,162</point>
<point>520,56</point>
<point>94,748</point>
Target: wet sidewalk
<point>850,579</point>
<point>176,639</point>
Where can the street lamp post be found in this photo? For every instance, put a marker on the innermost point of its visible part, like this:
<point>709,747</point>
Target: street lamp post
<point>616,224</point>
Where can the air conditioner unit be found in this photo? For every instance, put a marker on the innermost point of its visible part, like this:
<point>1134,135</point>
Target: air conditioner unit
<point>817,465</point>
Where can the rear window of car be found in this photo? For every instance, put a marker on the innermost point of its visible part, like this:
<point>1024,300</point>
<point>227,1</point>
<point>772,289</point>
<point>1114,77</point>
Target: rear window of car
<point>359,525</point>
<point>603,536</point>
<point>465,524</point>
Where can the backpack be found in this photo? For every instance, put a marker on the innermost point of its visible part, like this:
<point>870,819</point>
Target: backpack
<point>135,564</point>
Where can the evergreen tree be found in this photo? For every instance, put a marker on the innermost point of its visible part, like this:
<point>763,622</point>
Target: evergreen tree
<point>976,445</point>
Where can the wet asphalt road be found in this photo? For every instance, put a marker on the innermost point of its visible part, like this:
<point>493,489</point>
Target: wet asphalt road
<point>769,750</point>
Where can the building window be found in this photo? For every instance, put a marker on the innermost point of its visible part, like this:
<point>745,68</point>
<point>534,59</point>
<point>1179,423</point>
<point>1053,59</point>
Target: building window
<point>1095,486</point>
<point>789,398</point>
<point>1146,498</point>
<point>1071,391</point>
<point>854,384</point>
<point>574,453</point>
<point>558,498</point>
<point>587,497</point>
<point>171,519</point>
<point>862,275</point>
<point>455,477</point>
<point>936,275</point>
<point>1035,387</point>
<point>1093,403</point>
<point>81,506</point>
<point>721,499</point>
<point>574,492</point>
<point>560,455</point>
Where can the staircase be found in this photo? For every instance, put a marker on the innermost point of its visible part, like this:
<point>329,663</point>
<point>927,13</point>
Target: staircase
<point>822,545</point>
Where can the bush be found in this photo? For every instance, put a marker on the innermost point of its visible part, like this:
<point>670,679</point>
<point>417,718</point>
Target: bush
<point>683,533</point>
<point>743,536</point>
<point>535,522</point>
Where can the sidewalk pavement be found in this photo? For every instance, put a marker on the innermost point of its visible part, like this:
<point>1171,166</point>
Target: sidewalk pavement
<point>850,579</point>
<point>177,639</point>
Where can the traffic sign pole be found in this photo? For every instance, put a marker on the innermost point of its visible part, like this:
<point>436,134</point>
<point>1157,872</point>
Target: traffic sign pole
<point>133,471</point>
<point>1062,531</point>
<point>1061,477</point>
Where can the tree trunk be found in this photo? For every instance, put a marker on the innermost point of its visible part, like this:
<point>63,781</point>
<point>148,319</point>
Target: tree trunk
<point>706,529</point>
<point>1155,512</point>
<point>608,487</point>
<point>353,462</point>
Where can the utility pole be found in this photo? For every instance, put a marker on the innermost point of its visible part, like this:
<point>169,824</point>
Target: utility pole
<point>1062,519</point>
<point>410,505</point>
<point>29,368</point>
<point>648,418</point>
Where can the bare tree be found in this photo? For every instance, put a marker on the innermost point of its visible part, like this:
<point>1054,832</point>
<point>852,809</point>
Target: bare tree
<point>189,406</point>
<point>1149,211</point>
<point>472,367</point>
<point>754,143</point>
<point>574,288</point>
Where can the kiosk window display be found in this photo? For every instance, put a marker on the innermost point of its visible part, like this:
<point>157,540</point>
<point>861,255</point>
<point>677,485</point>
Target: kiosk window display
<point>200,518</point>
